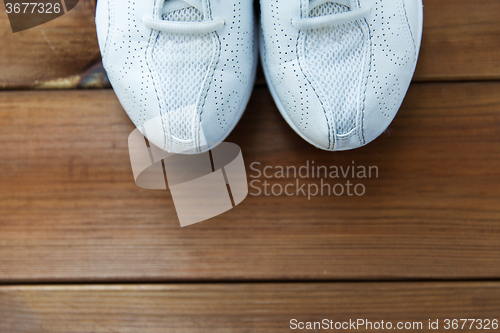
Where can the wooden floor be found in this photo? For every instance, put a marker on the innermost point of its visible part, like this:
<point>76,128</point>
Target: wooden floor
<point>83,249</point>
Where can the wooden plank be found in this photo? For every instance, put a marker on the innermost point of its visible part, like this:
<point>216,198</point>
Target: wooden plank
<point>461,42</point>
<point>62,53</point>
<point>70,210</point>
<point>236,308</point>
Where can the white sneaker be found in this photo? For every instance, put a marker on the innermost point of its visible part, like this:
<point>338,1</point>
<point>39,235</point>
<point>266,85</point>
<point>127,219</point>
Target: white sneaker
<point>183,70</point>
<point>339,70</point>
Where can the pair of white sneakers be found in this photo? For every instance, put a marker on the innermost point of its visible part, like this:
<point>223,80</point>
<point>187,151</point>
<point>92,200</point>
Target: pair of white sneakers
<point>184,70</point>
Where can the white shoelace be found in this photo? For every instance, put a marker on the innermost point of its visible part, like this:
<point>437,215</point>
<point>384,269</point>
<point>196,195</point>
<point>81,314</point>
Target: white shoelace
<point>329,20</point>
<point>182,27</point>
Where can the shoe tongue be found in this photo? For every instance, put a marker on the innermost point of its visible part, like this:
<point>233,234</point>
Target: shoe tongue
<point>322,4</point>
<point>171,5</point>
<point>183,10</point>
<point>323,8</point>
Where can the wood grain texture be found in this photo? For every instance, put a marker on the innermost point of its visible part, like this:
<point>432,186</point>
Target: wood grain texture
<point>234,308</point>
<point>70,211</point>
<point>58,54</point>
<point>461,42</point>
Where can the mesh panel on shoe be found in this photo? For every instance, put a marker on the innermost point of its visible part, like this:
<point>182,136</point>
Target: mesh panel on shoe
<point>181,63</point>
<point>335,57</point>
